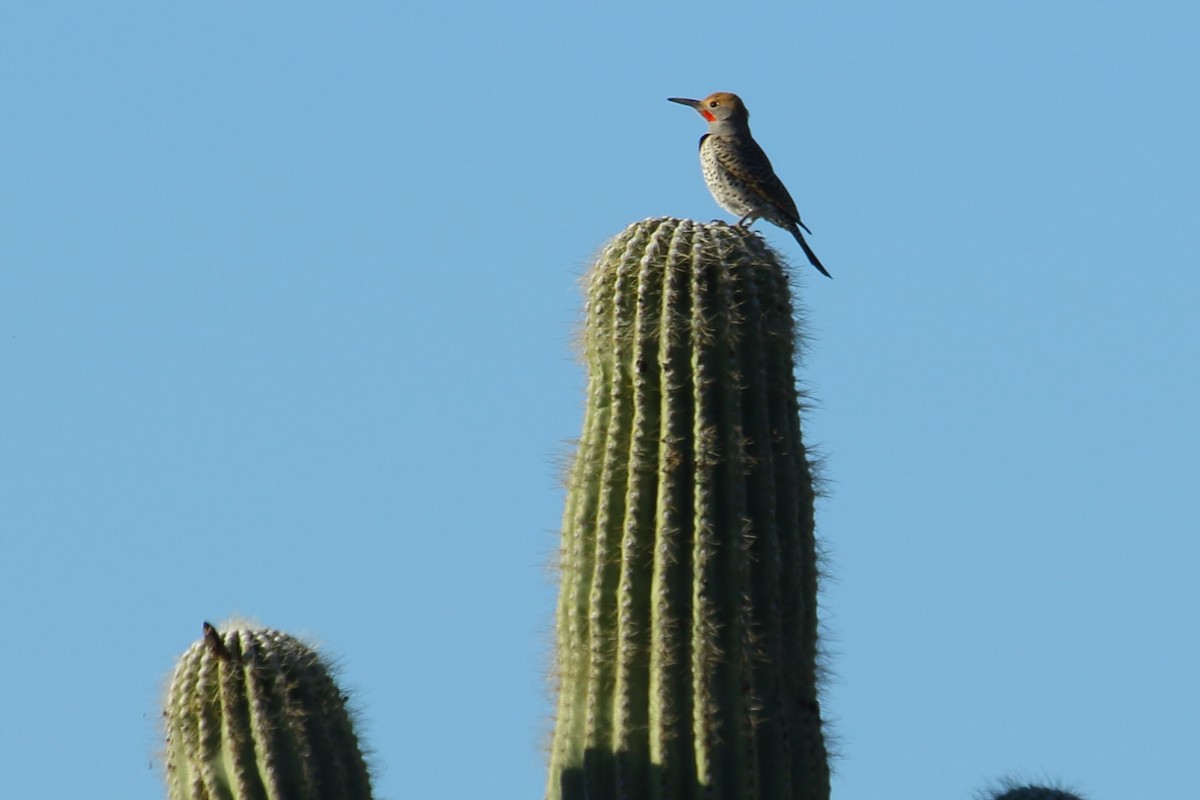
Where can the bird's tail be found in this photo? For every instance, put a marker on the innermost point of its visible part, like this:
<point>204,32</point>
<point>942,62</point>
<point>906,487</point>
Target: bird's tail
<point>812,257</point>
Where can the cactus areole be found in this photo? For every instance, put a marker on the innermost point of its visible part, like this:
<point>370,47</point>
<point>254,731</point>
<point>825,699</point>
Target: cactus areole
<point>687,658</point>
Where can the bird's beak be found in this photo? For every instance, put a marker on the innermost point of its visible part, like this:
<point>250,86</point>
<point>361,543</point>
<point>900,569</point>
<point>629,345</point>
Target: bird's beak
<point>683,101</point>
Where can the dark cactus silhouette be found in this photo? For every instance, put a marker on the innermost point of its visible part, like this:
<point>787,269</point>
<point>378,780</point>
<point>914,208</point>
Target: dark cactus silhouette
<point>1014,791</point>
<point>687,617</point>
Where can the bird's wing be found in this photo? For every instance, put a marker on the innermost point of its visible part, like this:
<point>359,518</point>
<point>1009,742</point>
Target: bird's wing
<point>747,162</point>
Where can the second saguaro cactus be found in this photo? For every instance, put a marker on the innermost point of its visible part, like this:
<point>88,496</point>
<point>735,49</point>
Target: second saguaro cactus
<point>687,656</point>
<point>1013,791</point>
<point>254,714</point>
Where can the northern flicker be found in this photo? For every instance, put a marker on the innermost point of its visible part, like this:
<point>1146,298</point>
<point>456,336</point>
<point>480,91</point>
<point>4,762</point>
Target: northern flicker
<point>738,172</point>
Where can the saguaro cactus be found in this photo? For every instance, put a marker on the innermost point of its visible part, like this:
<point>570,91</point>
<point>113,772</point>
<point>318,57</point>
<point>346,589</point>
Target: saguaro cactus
<point>687,654</point>
<point>1013,791</point>
<point>253,714</point>
<point>687,657</point>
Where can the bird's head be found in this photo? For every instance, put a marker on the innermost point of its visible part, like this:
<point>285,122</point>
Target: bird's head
<point>718,107</point>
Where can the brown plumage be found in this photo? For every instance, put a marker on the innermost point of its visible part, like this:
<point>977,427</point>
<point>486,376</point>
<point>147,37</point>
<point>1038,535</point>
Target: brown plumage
<point>738,172</point>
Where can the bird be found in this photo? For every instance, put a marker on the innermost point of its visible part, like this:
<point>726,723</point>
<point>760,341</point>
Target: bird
<point>738,172</point>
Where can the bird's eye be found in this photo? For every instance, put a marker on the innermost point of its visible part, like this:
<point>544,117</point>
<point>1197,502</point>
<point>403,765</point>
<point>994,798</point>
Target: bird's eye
<point>713,104</point>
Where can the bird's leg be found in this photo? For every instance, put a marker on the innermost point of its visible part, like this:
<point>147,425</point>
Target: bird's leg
<point>746,219</point>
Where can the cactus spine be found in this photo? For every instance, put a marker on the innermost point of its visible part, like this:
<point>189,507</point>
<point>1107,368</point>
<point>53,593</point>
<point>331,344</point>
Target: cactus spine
<point>255,715</point>
<point>687,620</point>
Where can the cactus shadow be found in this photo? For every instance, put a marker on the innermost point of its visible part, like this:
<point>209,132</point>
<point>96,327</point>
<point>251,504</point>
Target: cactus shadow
<point>622,774</point>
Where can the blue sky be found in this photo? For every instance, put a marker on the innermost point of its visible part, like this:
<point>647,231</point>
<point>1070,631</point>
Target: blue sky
<point>287,294</point>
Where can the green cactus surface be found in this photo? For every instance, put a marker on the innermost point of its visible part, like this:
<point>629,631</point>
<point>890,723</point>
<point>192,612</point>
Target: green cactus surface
<point>687,657</point>
<point>253,714</point>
